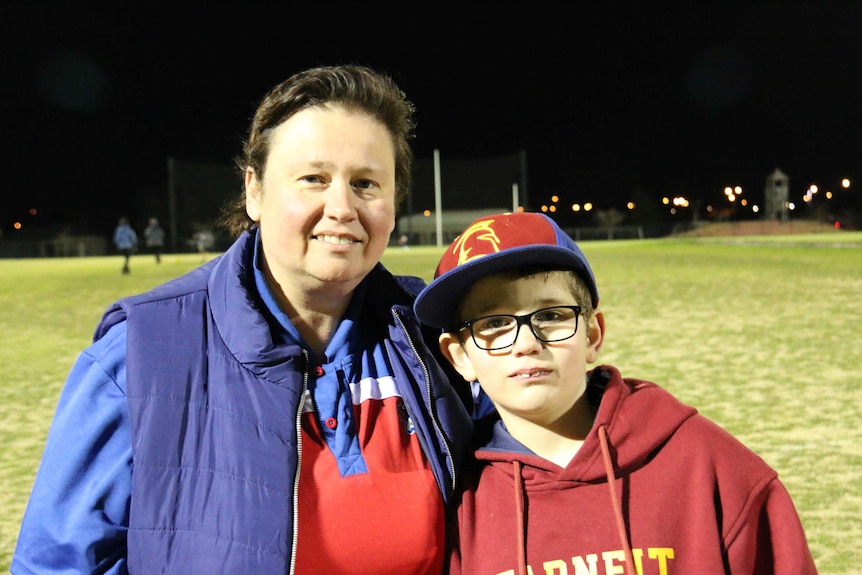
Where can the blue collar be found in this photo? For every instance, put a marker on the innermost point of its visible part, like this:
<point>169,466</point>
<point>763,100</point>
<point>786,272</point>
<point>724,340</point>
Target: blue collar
<point>345,337</point>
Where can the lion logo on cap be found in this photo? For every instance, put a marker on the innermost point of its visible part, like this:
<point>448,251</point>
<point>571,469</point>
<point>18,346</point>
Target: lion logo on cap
<point>476,233</point>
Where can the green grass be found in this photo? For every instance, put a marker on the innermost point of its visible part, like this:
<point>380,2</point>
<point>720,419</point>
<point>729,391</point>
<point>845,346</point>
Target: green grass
<point>760,333</point>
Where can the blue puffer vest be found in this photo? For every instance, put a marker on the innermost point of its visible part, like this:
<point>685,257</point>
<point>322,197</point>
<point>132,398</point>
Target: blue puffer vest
<point>214,405</point>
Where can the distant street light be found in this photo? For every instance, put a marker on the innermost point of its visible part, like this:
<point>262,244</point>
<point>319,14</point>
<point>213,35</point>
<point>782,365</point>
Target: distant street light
<point>732,193</point>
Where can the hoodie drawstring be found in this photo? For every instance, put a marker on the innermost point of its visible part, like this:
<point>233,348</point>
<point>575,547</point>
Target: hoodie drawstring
<point>519,507</point>
<point>615,501</point>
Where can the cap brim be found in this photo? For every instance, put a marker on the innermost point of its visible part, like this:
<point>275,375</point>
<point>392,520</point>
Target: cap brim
<point>435,304</point>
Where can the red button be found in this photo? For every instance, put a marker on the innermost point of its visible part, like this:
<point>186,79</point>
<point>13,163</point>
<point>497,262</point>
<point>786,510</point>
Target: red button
<point>331,422</point>
<point>318,371</point>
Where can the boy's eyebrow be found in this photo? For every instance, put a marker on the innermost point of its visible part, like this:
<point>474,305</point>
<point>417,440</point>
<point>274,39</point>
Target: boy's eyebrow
<point>493,308</point>
<point>482,311</point>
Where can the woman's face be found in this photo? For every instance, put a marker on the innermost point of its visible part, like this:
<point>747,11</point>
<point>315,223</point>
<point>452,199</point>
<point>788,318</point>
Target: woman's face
<point>326,204</point>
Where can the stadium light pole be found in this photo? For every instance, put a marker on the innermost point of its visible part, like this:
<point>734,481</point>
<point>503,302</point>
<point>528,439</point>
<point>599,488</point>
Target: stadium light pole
<point>172,204</point>
<point>438,204</point>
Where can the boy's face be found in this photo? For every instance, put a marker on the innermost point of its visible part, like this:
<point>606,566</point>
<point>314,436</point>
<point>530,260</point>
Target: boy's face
<point>533,380</point>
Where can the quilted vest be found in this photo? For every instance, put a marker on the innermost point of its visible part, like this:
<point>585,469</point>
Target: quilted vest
<point>214,406</point>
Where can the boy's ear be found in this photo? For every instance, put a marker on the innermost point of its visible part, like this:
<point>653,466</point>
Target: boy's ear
<point>453,351</point>
<point>596,336</point>
<point>253,193</point>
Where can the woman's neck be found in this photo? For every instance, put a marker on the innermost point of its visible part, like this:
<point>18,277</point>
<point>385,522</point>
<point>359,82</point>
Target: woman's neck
<point>315,311</point>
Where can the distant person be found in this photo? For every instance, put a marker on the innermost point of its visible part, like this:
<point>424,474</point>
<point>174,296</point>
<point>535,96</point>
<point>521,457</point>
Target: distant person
<point>584,471</point>
<point>204,241</point>
<point>126,241</point>
<point>278,409</point>
<point>154,237</point>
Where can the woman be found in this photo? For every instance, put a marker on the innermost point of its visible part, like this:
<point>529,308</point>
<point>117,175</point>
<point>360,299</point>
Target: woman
<point>275,410</point>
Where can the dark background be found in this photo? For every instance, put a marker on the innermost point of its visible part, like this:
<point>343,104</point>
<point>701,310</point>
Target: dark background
<point>605,103</point>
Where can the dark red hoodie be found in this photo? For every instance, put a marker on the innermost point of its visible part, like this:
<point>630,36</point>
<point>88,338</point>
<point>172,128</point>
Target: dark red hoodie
<point>684,497</point>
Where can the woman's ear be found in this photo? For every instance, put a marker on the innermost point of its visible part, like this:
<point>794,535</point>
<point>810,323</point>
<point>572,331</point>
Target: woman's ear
<point>595,336</point>
<point>454,352</point>
<point>253,193</point>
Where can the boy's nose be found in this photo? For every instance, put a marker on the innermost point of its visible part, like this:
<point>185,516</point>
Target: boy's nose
<point>526,341</point>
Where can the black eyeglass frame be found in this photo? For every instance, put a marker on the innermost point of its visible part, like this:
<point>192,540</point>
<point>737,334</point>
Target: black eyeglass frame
<point>521,320</point>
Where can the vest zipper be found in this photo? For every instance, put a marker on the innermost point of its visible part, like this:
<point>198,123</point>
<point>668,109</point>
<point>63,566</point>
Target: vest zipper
<point>298,422</point>
<point>437,427</point>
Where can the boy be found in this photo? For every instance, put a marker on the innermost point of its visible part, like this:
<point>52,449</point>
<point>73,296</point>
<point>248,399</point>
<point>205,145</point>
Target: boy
<point>585,472</point>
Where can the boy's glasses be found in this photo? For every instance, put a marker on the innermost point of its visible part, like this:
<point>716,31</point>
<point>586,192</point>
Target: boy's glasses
<point>549,324</point>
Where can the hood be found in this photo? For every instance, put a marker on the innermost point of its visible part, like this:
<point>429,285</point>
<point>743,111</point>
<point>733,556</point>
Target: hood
<point>638,417</point>
<point>634,419</point>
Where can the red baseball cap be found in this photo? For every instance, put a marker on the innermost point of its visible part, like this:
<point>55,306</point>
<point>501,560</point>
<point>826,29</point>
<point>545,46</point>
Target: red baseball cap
<point>492,244</point>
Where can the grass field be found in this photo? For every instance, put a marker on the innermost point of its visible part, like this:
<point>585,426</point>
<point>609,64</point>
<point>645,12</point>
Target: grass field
<point>760,333</point>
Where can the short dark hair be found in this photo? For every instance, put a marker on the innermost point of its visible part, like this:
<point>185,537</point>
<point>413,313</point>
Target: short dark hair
<point>358,88</point>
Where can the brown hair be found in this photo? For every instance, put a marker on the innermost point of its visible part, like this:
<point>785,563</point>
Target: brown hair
<point>357,88</point>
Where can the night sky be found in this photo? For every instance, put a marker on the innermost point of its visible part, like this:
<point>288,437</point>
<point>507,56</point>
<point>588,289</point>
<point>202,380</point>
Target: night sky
<point>675,98</point>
